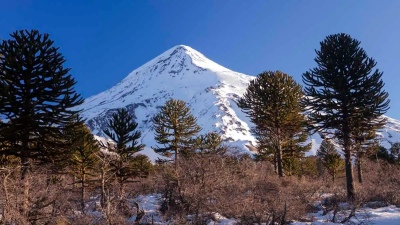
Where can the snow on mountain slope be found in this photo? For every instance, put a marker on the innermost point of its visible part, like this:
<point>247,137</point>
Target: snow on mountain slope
<point>180,73</point>
<point>388,135</point>
<point>209,89</point>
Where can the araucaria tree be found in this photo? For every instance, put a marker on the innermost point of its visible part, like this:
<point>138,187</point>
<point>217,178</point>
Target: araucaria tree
<point>37,97</point>
<point>83,159</point>
<point>395,152</point>
<point>330,158</point>
<point>272,102</point>
<point>121,128</point>
<point>175,128</point>
<point>210,143</point>
<point>344,94</point>
<point>293,151</point>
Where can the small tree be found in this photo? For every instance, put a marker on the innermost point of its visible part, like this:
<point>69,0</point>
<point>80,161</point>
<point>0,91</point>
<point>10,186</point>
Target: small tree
<point>122,130</point>
<point>36,103</point>
<point>382,153</point>
<point>330,158</point>
<point>272,103</point>
<point>84,158</point>
<point>344,94</point>
<point>175,128</point>
<point>395,152</point>
<point>293,151</point>
<point>362,147</point>
<point>210,143</point>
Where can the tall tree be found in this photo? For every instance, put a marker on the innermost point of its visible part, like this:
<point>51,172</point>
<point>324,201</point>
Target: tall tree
<point>272,103</point>
<point>121,128</point>
<point>37,100</point>
<point>175,128</point>
<point>330,158</point>
<point>344,94</point>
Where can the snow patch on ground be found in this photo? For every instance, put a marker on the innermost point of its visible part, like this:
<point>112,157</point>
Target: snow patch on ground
<point>150,204</point>
<point>388,215</point>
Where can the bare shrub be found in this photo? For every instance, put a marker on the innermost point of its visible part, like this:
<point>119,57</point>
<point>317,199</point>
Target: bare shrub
<point>235,187</point>
<point>381,183</point>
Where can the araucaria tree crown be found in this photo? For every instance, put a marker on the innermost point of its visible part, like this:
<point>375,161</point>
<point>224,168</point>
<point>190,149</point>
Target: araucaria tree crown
<point>345,95</point>
<point>272,102</point>
<point>175,128</point>
<point>37,96</point>
<point>121,128</point>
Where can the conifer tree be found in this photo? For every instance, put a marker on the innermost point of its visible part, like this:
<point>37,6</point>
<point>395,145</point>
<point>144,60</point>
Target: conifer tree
<point>37,100</point>
<point>175,128</point>
<point>272,103</point>
<point>330,158</point>
<point>362,147</point>
<point>395,152</point>
<point>344,94</point>
<point>121,128</point>
<point>293,151</point>
<point>210,143</point>
<point>382,153</point>
<point>83,159</point>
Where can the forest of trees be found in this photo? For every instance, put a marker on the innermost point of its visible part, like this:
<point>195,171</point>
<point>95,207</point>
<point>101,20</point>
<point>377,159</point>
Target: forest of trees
<point>54,171</point>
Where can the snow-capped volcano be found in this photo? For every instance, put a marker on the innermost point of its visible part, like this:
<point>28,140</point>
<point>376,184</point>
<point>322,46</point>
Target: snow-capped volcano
<point>181,73</point>
<point>211,91</point>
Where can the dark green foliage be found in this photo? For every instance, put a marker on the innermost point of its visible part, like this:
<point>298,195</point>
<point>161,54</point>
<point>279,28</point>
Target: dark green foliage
<point>122,130</point>
<point>36,100</point>
<point>387,155</point>
<point>175,128</point>
<point>345,94</point>
<point>83,159</point>
<point>309,167</point>
<point>272,104</point>
<point>330,158</point>
<point>37,96</point>
<point>141,166</point>
<point>84,150</point>
<point>293,150</point>
<point>395,152</point>
<point>210,143</point>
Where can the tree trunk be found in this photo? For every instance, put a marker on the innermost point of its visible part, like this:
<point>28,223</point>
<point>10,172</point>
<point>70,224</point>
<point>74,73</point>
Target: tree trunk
<point>176,160</point>
<point>333,177</point>
<point>25,182</point>
<point>121,188</point>
<point>6,195</point>
<point>103,188</point>
<point>351,192</point>
<point>83,181</point>
<point>359,169</point>
<point>178,184</point>
<point>280,167</point>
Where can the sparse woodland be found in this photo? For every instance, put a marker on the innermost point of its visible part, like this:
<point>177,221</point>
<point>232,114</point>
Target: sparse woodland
<point>53,171</point>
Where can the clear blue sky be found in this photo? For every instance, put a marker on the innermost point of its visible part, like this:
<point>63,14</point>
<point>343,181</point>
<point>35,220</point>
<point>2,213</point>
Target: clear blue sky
<point>104,40</point>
